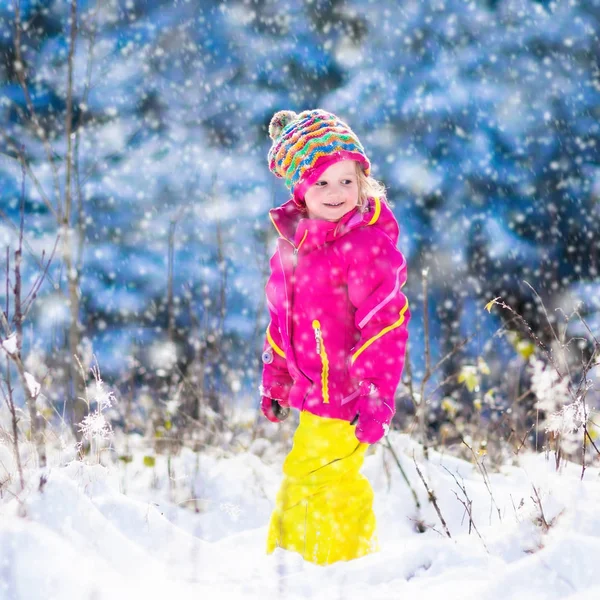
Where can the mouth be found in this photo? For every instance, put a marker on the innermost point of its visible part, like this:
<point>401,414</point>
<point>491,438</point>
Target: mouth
<point>334,204</point>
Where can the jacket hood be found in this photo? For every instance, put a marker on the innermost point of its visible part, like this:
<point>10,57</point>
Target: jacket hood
<point>290,222</point>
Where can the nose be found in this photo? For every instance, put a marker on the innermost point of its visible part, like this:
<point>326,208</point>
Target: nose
<point>333,190</point>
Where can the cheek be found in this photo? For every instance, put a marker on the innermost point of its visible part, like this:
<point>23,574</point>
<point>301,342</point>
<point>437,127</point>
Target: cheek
<point>313,194</point>
<point>311,199</point>
<point>353,193</point>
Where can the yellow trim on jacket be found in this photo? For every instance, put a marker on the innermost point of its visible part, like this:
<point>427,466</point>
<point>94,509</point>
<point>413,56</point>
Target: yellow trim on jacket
<point>273,344</point>
<point>377,210</point>
<point>381,333</point>
<point>275,225</point>
<point>324,360</point>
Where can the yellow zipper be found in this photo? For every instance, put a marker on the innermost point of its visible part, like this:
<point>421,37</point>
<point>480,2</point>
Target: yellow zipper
<point>324,360</point>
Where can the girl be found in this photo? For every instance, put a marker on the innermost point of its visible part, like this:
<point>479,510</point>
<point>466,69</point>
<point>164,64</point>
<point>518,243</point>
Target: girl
<point>334,349</point>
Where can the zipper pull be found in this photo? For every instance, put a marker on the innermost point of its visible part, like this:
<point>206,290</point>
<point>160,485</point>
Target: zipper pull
<point>295,257</point>
<point>317,328</point>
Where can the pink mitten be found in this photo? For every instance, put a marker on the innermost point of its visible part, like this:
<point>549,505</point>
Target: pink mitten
<point>369,431</point>
<point>374,417</point>
<point>274,410</point>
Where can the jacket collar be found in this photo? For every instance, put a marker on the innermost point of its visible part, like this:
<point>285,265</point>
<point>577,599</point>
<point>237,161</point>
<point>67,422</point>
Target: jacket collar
<point>293,225</point>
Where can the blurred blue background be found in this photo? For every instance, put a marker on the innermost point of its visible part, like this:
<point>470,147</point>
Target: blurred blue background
<point>482,119</point>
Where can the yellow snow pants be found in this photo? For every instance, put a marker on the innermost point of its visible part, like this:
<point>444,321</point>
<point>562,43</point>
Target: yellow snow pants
<point>324,508</point>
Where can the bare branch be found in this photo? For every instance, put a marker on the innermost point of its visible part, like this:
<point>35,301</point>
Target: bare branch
<point>403,473</point>
<point>432,498</point>
<point>69,115</point>
<point>8,397</point>
<point>39,281</point>
<point>549,323</point>
<point>30,173</point>
<point>485,477</point>
<point>587,433</point>
<point>422,401</point>
<point>452,352</point>
<point>21,72</point>
<point>467,504</point>
<point>538,502</point>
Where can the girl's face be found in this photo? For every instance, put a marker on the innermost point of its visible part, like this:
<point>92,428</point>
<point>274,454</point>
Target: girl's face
<point>335,193</point>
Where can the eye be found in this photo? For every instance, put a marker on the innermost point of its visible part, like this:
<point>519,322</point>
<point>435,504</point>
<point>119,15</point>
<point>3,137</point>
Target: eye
<point>346,181</point>
<point>321,183</point>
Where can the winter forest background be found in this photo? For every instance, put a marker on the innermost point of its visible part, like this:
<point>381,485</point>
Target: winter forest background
<point>134,247</point>
<point>134,138</point>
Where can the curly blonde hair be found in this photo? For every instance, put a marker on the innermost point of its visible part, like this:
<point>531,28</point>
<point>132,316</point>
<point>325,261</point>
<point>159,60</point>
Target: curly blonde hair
<point>367,188</point>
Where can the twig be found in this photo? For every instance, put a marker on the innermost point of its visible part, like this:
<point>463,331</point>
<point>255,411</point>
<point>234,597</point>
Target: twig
<point>515,508</point>
<point>403,473</point>
<point>578,395</point>
<point>8,397</point>
<point>409,377</point>
<point>39,262</point>
<point>484,474</point>
<point>35,288</point>
<point>427,374</point>
<point>69,117</point>
<point>535,338</point>
<point>432,498</point>
<point>452,352</point>
<point>550,324</point>
<point>20,71</point>
<point>592,441</point>
<point>524,438</point>
<point>468,506</point>
<point>538,502</point>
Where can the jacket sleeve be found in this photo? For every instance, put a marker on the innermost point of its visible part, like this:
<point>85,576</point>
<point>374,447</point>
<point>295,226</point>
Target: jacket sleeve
<point>375,281</point>
<point>276,380</point>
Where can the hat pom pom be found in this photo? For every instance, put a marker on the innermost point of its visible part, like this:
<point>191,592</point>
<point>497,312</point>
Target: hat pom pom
<point>279,121</point>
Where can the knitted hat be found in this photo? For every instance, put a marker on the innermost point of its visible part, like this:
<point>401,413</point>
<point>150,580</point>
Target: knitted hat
<point>307,144</point>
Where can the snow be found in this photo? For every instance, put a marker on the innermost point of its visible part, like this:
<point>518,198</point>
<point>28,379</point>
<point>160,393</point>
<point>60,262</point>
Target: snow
<point>75,533</point>
<point>32,384</point>
<point>481,119</point>
<point>9,345</point>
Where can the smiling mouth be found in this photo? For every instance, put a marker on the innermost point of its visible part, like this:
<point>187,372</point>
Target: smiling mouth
<point>335,204</point>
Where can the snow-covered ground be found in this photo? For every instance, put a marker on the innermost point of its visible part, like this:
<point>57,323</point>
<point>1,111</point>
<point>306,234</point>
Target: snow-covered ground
<point>93,532</point>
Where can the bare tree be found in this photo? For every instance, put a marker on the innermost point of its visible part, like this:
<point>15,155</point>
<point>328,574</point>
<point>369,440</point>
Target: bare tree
<point>65,202</point>
<point>11,340</point>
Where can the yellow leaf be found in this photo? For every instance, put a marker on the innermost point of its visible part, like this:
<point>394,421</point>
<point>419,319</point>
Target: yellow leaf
<point>491,303</point>
<point>450,406</point>
<point>488,397</point>
<point>525,348</point>
<point>468,375</point>
<point>149,461</point>
<point>477,403</point>
<point>482,365</point>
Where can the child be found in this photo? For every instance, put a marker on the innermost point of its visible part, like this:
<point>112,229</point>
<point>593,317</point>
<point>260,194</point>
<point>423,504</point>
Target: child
<point>334,348</point>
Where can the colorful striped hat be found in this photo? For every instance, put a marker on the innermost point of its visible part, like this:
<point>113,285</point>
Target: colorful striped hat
<point>305,145</point>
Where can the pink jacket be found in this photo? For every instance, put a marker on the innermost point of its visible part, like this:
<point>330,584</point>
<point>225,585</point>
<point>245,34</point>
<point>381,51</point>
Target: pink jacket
<point>338,315</point>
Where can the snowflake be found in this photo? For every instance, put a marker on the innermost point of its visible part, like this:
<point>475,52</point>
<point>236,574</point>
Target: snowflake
<point>233,510</point>
<point>95,427</point>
